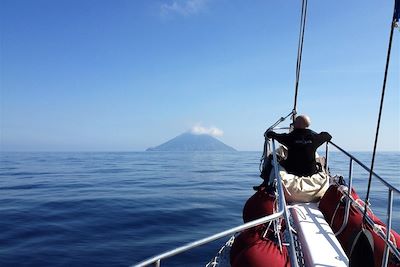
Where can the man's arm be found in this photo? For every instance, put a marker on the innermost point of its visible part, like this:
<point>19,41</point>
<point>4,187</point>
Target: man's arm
<point>324,137</point>
<point>281,138</point>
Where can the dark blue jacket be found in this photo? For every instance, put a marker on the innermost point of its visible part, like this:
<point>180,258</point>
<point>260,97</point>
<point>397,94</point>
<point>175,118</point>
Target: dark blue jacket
<point>301,144</point>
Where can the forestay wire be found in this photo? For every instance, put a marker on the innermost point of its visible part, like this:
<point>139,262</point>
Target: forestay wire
<point>300,52</point>
<point>395,20</point>
<point>293,113</point>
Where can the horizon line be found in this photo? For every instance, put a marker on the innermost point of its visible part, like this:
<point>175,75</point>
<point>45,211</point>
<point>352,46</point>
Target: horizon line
<point>127,151</point>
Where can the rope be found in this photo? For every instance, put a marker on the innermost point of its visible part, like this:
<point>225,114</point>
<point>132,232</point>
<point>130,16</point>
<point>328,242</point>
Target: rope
<point>300,52</point>
<point>381,228</point>
<point>221,253</point>
<point>266,150</point>
<point>393,25</point>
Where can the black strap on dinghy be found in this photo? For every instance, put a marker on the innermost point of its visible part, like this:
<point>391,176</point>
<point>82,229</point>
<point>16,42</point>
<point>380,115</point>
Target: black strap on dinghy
<point>362,249</point>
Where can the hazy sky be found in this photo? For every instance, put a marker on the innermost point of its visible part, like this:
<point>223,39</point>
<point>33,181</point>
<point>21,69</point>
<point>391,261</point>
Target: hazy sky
<point>130,74</point>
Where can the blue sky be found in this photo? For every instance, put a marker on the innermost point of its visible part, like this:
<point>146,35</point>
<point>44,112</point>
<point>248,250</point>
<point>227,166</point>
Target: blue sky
<point>99,75</point>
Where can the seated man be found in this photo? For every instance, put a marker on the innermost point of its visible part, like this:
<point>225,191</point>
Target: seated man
<point>302,144</point>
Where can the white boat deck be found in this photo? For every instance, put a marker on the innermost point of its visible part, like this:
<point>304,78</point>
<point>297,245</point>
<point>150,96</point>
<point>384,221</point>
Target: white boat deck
<point>319,244</point>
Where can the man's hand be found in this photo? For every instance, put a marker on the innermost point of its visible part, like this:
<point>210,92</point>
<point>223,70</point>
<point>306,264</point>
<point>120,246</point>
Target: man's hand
<point>270,134</point>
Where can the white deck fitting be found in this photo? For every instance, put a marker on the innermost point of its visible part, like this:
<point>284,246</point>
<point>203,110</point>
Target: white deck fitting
<point>319,244</point>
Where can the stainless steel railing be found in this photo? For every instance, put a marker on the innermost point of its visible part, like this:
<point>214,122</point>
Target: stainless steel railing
<point>350,201</point>
<point>282,206</point>
<point>156,260</point>
<point>383,181</point>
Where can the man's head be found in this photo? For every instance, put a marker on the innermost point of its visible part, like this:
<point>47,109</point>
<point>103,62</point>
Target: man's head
<point>302,122</point>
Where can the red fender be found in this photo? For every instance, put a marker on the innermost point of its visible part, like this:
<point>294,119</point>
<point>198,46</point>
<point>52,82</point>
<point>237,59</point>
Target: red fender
<point>258,205</point>
<point>244,240</point>
<point>331,203</point>
<point>354,225</point>
<point>331,200</point>
<point>261,254</point>
<point>333,209</point>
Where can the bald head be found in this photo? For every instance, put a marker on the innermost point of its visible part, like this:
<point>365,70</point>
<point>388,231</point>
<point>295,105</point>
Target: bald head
<point>302,122</point>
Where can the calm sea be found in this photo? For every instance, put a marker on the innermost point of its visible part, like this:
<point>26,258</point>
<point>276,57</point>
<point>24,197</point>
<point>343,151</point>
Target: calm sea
<point>115,209</point>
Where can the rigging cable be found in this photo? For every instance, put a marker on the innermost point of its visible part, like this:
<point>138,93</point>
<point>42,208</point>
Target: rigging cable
<point>396,15</point>
<point>300,52</point>
<point>298,67</point>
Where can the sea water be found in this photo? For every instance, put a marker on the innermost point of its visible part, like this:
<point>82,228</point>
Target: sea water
<point>116,209</point>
